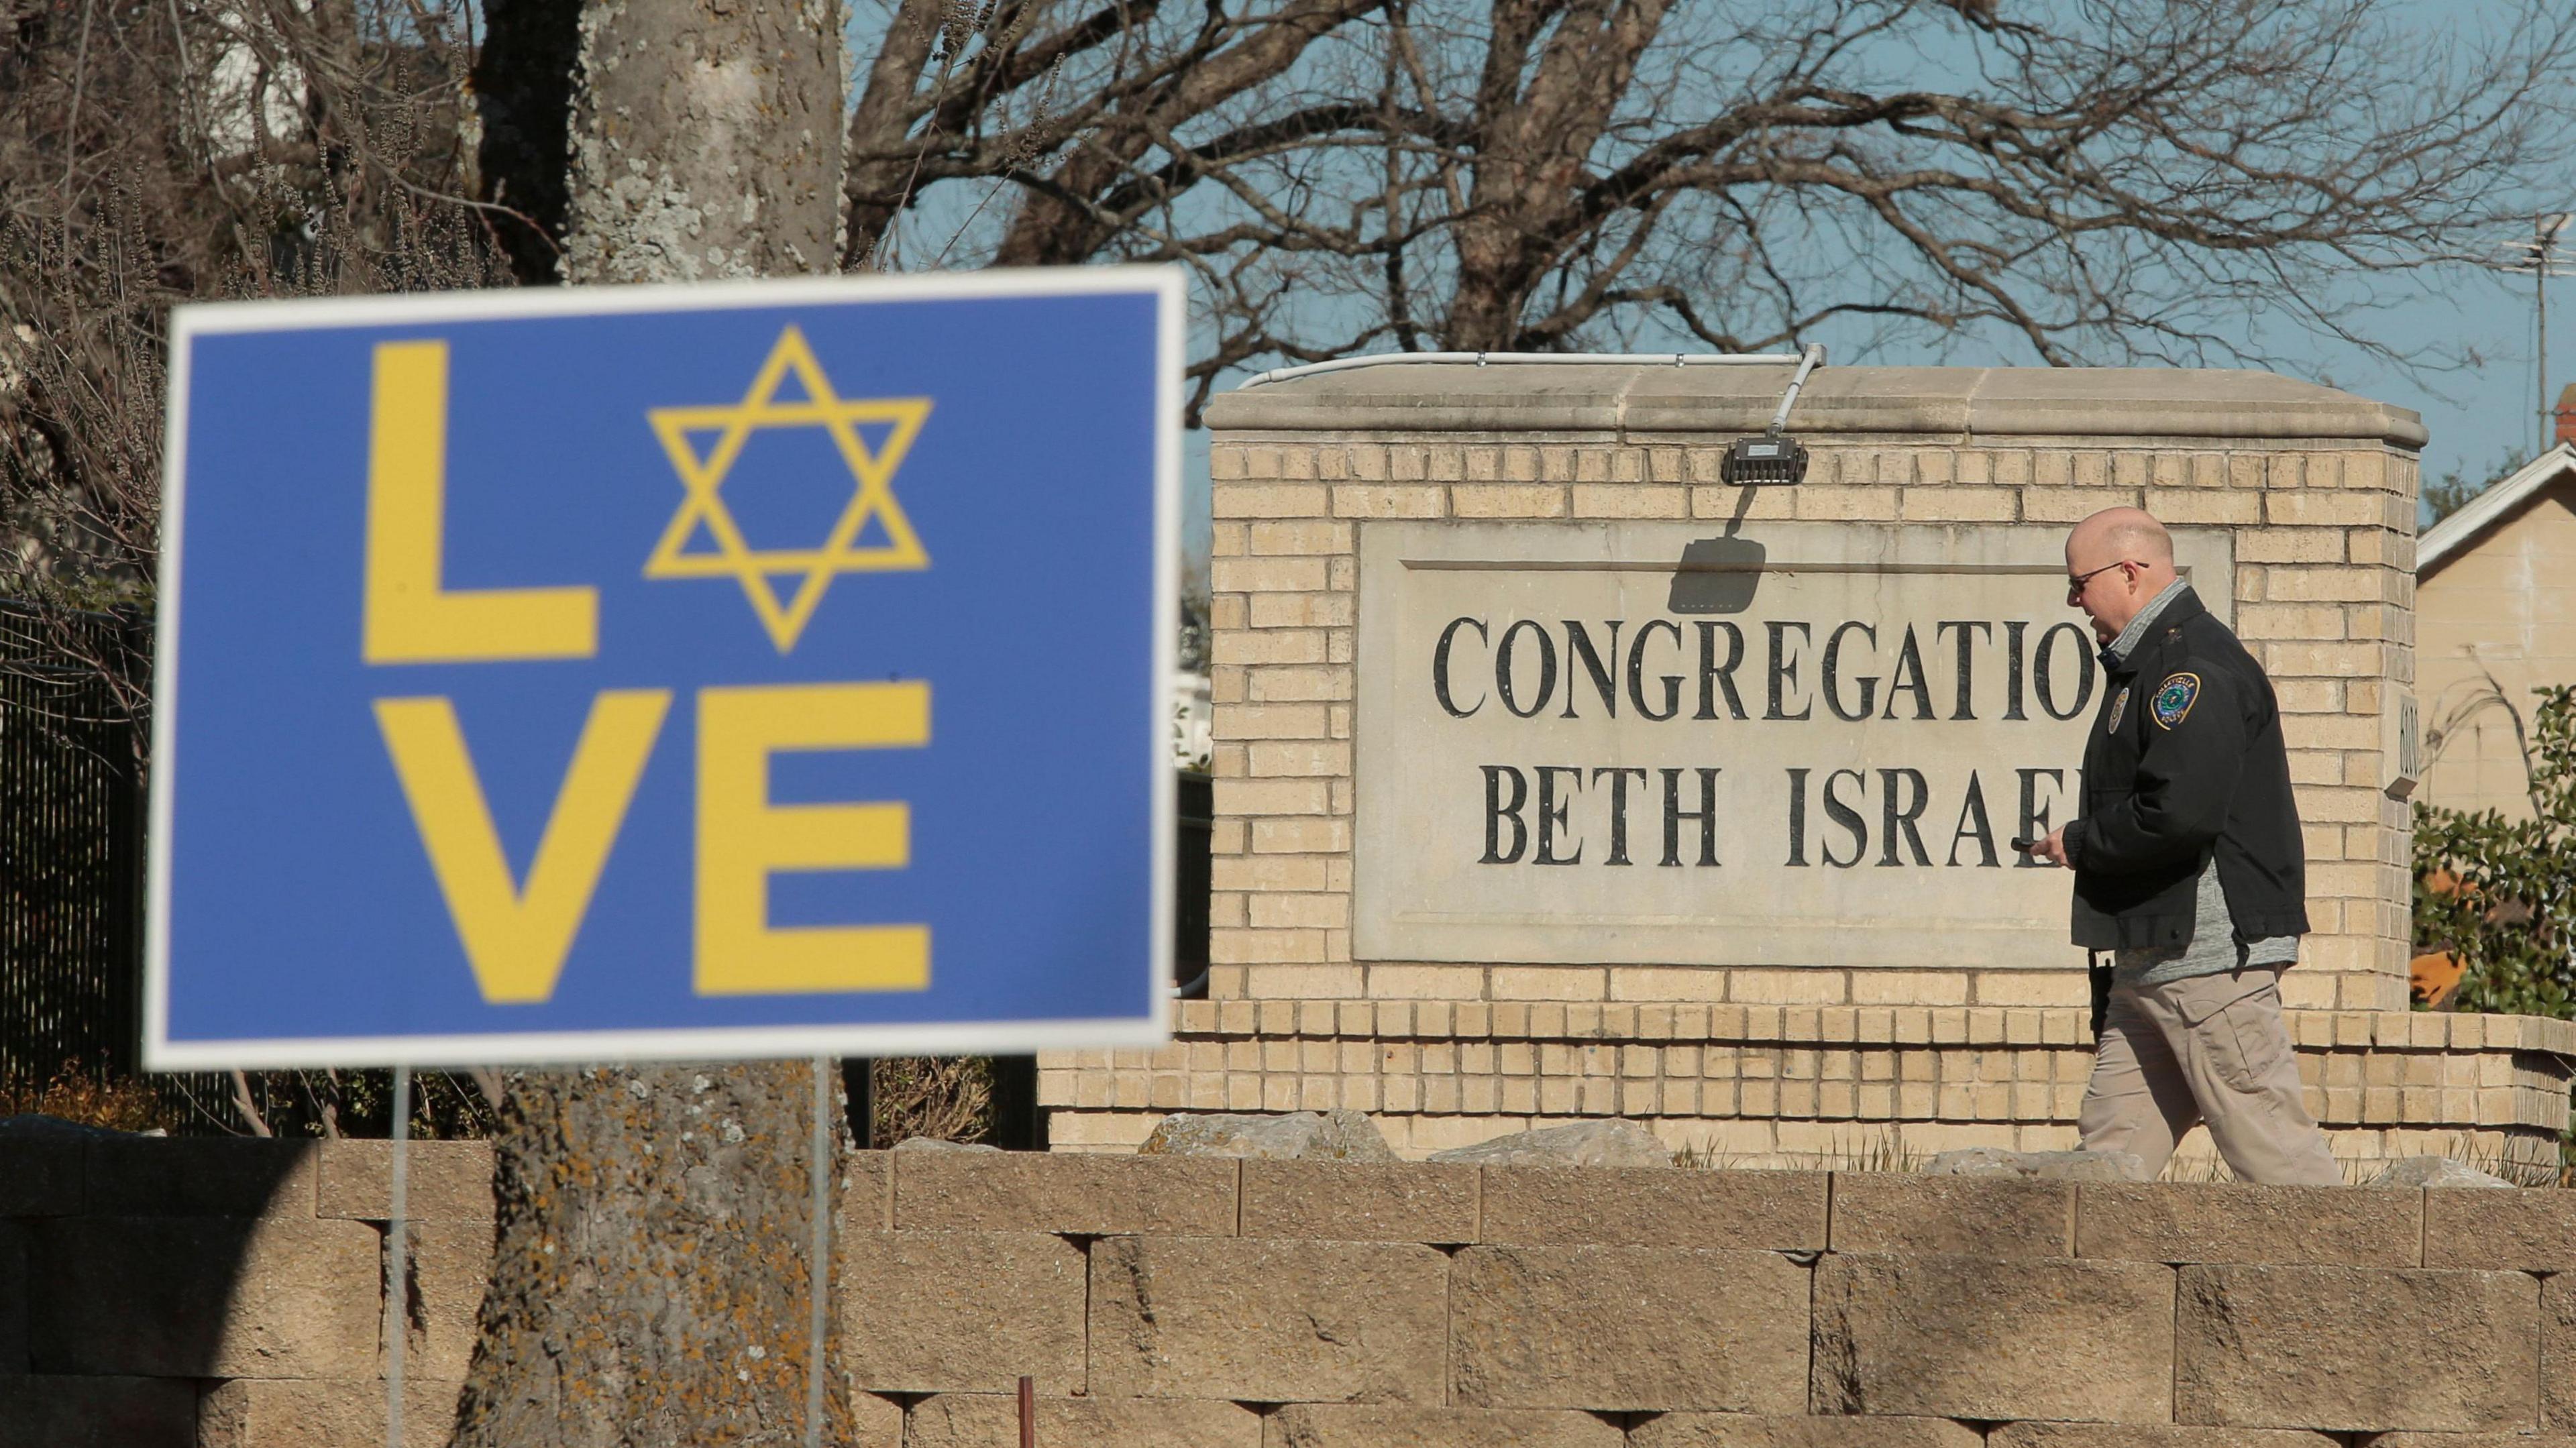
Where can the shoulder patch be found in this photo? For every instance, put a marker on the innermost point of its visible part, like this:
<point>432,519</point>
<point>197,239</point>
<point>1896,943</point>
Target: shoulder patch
<point>2174,698</point>
<point>2119,711</point>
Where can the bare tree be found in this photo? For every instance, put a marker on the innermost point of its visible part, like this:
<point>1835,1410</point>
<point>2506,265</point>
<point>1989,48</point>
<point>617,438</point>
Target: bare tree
<point>652,1279</point>
<point>1081,107</point>
<point>2073,182</point>
<point>150,154</point>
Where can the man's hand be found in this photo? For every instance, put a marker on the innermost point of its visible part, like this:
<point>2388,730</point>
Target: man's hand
<point>2053,849</point>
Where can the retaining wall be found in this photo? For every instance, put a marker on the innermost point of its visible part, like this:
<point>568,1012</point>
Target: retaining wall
<point>228,1293</point>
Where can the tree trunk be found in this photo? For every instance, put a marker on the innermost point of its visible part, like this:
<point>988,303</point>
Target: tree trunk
<point>523,97</point>
<point>1492,287</point>
<point>706,140</point>
<point>1547,97</point>
<point>651,1272</point>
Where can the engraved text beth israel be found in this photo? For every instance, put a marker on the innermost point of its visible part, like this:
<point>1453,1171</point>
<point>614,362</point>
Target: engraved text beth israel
<point>1795,744</point>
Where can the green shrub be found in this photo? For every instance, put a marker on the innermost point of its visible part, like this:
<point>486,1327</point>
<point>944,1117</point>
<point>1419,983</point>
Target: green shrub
<point>2500,895</point>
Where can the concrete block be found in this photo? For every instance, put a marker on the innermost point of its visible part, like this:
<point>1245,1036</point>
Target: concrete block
<point>2234,1222</point>
<point>444,1181</point>
<point>13,1299</point>
<point>2471,1440</point>
<point>1623,1329</point>
<point>984,1420</point>
<point>962,1311</point>
<point>350,1413</point>
<point>2350,1350</point>
<point>204,1297</point>
<point>451,1264</point>
<point>1978,1216</point>
<point>867,1191</point>
<point>1373,1425</point>
<point>98,1412</point>
<point>2558,1354</point>
<point>1755,1430</point>
<point>2060,1339</point>
<point>209,1176</point>
<point>40,1177</point>
<point>2141,1435</point>
<point>1267,1321</point>
<point>1655,1207</point>
<point>2524,1231</point>
<point>1021,1191</point>
<point>1360,1201</point>
<point>878,1422</point>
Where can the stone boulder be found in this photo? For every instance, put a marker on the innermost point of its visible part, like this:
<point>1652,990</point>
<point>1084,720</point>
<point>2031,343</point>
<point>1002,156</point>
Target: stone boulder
<point>932,1143</point>
<point>2056,1166</point>
<point>1292,1136</point>
<point>1582,1143</point>
<point>2434,1171</point>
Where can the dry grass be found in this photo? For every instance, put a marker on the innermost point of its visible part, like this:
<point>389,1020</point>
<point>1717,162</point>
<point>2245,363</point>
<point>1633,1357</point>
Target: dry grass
<point>946,1098</point>
<point>77,1096</point>
<point>1875,1151</point>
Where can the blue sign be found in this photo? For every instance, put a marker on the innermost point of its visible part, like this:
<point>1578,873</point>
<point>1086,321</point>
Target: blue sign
<point>766,669</point>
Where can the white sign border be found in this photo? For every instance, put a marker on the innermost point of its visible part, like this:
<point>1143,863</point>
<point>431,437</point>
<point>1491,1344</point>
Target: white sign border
<point>1166,284</point>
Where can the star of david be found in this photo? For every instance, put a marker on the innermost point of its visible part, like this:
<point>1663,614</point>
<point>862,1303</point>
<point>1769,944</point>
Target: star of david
<point>872,471</point>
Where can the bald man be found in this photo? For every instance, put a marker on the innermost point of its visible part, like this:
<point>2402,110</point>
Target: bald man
<point>2189,873</point>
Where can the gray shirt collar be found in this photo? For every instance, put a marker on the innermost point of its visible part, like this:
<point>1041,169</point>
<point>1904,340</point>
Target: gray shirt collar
<point>2118,652</point>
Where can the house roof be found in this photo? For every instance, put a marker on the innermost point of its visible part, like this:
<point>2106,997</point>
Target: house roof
<point>2499,502</point>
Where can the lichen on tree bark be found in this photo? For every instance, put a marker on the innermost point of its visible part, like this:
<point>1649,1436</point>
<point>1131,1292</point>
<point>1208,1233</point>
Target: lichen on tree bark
<point>650,1265</point>
<point>705,140</point>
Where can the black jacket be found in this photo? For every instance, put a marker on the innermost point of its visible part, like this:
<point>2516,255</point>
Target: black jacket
<point>2185,760</point>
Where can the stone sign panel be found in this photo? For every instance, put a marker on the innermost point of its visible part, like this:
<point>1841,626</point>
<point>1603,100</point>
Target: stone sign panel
<point>1793,744</point>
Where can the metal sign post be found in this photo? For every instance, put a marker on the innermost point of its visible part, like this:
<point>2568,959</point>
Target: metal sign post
<point>398,1258</point>
<point>820,1170</point>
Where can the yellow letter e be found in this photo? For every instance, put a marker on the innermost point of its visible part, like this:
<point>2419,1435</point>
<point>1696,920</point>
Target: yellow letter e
<point>743,839</point>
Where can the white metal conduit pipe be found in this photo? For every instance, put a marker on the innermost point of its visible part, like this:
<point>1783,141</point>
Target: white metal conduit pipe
<point>1553,359</point>
<point>1807,360</point>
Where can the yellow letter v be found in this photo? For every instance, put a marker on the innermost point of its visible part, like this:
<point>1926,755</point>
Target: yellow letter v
<point>516,940</point>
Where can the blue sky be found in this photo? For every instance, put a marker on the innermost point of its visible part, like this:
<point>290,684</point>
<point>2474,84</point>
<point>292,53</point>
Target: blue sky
<point>2469,331</point>
<point>2478,408</point>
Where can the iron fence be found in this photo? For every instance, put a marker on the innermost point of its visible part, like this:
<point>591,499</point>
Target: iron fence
<point>71,838</point>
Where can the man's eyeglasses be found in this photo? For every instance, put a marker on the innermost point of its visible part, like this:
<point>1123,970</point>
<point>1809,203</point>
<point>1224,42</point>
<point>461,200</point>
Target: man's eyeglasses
<point>2075,581</point>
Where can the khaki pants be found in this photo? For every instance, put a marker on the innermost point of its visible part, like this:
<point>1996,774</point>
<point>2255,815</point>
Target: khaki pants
<point>2209,1049</point>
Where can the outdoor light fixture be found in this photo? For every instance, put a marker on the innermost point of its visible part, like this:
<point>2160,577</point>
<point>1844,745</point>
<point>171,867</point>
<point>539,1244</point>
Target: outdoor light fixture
<point>1774,457</point>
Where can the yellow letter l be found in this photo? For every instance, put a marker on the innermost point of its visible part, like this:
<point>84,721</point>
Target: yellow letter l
<point>411,616</point>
